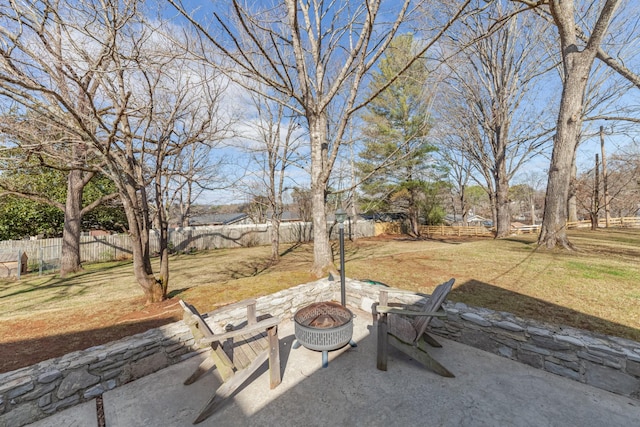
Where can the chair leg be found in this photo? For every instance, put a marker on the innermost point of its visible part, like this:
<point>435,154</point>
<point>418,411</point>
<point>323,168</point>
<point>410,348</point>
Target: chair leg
<point>431,341</point>
<point>274,357</point>
<point>433,364</point>
<point>420,354</point>
<point>229,387</point>
<point>204,367</point>
<point>383,343</point>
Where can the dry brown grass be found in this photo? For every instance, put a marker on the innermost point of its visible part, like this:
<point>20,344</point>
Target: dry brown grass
<point>595,288</point>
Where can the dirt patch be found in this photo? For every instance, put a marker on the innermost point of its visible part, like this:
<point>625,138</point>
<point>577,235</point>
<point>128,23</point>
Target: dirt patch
<point>25,342</point>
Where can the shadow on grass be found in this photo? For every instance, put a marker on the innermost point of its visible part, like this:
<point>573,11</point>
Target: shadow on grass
<point>63,283</point>
<point>481,294</point>
<point>176,292</point>
<point>18,354</point>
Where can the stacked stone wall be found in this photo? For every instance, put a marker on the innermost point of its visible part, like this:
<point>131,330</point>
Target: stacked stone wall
<point>606,362</point>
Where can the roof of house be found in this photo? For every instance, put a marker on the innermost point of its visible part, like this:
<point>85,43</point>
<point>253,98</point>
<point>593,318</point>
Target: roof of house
<point>217,219</point>
<point>384,216</point>
<point>450,218</point>
<point>287,216</point>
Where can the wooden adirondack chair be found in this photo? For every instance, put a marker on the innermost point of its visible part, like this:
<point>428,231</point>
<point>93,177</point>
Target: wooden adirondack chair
<point>409,336</point>
<point>236,353</point>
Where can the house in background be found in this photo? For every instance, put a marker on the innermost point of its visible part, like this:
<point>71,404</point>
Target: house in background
<point>237,218</point>
<point>287,216</point>
<point>472,221</point>
<point>384,216</point>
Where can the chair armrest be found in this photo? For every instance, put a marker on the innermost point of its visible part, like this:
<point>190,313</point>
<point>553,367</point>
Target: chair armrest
<point>401,291</point>
<point>257,327</point>
<point>241,304</point>
<point>395,310</point>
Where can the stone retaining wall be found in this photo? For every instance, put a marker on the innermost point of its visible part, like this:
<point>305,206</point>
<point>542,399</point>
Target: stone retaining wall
<point>35,392</point>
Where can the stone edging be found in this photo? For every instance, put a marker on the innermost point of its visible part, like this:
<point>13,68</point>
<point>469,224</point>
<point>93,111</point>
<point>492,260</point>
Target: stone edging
<point>34,392</point>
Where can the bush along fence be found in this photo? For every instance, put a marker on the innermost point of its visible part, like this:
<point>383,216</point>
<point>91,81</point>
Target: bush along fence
<point>34,392</point>
<point>44,254</point>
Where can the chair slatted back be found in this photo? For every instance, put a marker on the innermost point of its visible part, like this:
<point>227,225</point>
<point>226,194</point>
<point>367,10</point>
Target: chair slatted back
<point>433,304</point>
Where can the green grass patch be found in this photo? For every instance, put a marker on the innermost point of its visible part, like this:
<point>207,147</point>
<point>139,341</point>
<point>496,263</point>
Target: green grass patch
<point>601,271</point>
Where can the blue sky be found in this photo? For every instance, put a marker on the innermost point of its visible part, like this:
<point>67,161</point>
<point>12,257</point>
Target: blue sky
<point>586,150</point>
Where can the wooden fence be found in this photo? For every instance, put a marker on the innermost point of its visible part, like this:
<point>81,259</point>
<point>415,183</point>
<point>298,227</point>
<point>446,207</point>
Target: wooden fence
<point>444,230</point>
<point>624,222</point>
<point>44,254</point>
<point>447,230</point>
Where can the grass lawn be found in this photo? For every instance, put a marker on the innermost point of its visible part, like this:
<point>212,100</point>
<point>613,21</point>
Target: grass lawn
<point>595,288</point>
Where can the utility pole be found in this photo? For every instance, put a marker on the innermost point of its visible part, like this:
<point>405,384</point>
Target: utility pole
<point>605,180</point>
<point>595,205</point>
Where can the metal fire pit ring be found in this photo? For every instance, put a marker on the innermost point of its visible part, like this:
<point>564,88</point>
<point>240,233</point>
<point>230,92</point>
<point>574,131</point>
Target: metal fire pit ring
<point>323,326</point>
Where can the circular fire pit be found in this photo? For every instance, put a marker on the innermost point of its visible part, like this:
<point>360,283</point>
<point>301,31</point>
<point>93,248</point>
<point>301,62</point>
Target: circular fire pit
<point>323,326</point>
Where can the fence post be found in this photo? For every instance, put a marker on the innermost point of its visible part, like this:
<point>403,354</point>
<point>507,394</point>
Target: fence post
<point>40,260</point>
<point>19,264</point>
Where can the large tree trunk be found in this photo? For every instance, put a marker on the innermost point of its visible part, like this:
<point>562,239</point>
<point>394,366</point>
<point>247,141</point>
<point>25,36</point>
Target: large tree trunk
<point>576,64</point>
<point>553,231</point>
<point>503,210</point>
<point>275,236</point>
<point>322,254</point>
<point>139,235</point>
<point>494,210</point>
<point>70,256</point>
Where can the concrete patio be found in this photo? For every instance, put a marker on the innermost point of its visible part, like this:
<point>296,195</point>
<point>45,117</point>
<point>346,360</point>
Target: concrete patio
<point>488,390</point>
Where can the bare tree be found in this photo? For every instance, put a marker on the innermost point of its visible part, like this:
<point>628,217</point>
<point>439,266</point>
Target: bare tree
<point>460,170</point>
<point>623,171</point>
<point>98,71</point>
<point>491,91</point>
<point>177,110</point>
<point>195,170</point>
<point>318,53</point>
<point>301,198</point>
<point>197,126</point>
<point>604,100</point>
<point>584,36</point>
<point>276,140</point>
